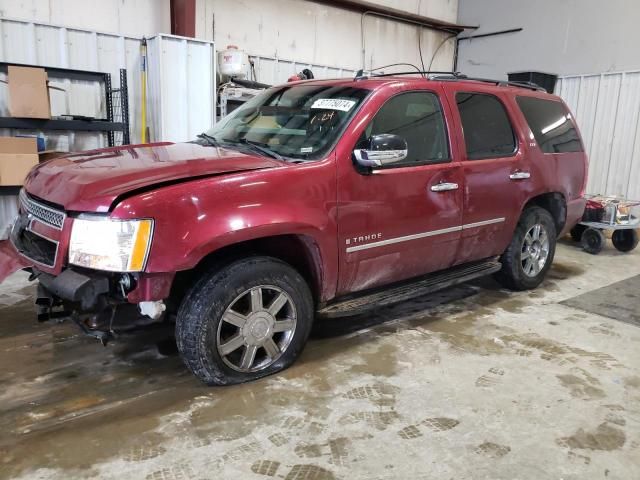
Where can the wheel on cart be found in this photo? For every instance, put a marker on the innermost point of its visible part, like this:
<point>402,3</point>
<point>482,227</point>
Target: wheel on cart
<point>593,241</point>
<point>577,231</point>
<point>625,240</point>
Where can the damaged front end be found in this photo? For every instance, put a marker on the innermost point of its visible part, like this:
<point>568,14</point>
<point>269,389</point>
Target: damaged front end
<point>90,299</point>
<point>95,301</point>
<point>99,302</point>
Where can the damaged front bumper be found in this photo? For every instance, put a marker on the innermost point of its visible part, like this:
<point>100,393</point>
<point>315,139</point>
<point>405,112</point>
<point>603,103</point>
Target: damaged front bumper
<point>86,290</point>
<point>39,243</point>
<point>96,301</point>
<point>89,290</point>
<point>90,299</point>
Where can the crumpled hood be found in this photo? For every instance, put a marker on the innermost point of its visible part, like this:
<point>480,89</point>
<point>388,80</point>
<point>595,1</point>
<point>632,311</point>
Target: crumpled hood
<point>91,181</point>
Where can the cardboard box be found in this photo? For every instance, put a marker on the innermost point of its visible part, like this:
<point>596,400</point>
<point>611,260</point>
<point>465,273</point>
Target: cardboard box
<point>17,157</point>
<point>28,93</point>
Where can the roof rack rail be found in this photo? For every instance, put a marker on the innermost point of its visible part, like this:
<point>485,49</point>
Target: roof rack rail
<point>360,74</point>
<point>503,83</point>
<point>444,75</point>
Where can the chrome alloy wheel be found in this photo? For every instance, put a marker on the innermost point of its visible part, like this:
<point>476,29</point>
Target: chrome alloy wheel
<point>256,328</point>
<point>535,250</point>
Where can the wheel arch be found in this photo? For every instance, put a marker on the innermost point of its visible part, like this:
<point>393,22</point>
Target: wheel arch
<point>300,251</point>
<point>553,202</point>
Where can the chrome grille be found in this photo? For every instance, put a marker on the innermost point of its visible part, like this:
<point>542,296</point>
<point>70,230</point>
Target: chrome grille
<point>45,214</point>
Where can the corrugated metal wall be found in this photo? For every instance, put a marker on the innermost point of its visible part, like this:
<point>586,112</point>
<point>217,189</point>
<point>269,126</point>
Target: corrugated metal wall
<point>188,72</point>
<point>319,34</point>
<point>273,70</point>
<point>125,17</point>
<point>607,109</point>
<point>41,44</point>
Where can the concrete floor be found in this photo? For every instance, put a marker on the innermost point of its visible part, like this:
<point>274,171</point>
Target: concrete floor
<point>475,383</point>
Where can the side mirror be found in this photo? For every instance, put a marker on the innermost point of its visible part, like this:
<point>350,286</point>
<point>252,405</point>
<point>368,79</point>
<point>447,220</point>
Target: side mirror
<point>382,150</point>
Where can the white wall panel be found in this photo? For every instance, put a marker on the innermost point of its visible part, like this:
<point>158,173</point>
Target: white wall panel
<point>323,35</point>
<point>47,45</point>
<point>607,110</point>
<point>125,17</point>
<point>181,87</point>
<point>603,131</point>
<point>274,71</point>
<point>625,136</point>
<point>187,71</point>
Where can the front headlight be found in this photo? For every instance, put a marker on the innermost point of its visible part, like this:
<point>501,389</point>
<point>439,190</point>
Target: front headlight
<point>113,245</point>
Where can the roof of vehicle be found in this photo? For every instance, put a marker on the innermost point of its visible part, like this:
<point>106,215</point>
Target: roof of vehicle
<point>377,81</point>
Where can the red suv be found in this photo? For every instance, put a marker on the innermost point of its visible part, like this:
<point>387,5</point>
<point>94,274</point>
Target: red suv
<point>316,198</point>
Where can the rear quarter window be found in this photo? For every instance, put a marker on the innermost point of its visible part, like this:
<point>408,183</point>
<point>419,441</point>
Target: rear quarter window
<point>551,124</point>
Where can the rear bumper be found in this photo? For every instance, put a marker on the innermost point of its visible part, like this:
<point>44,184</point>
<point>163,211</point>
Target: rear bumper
<point>575,210</point>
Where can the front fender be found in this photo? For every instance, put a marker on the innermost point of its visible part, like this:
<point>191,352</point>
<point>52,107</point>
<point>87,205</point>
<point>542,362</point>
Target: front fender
<point>229,238</point>
<point>196,218</point>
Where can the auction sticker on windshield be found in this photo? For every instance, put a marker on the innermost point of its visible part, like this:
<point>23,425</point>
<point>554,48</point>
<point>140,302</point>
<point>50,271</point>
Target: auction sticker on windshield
<point>334,104</point>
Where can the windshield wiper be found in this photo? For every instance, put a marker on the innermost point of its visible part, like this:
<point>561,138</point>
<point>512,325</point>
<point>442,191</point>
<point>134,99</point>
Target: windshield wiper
<point>260,147</point>
<point>209,139</point>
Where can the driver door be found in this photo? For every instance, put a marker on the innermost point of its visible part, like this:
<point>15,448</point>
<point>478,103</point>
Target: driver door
<point>402,220</point>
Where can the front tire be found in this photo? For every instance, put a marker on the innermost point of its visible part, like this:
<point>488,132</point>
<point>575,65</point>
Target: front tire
<point>528,257</point>
<point>250,319</point>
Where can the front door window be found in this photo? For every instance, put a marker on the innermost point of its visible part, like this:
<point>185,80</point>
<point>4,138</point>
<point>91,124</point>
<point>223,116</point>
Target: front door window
<point>417,118</point>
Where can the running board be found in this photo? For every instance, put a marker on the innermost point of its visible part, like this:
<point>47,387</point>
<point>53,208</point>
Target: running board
<point>369,300</point>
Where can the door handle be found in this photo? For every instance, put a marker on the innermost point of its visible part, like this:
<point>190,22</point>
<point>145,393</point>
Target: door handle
<point>444,187</point>
<point>520,176</point>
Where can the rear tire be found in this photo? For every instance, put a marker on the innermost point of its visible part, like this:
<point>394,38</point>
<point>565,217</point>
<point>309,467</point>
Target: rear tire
<point>625,240</point>
<point>247,320</point>
<point>528,257</point>
<point>593,241</point>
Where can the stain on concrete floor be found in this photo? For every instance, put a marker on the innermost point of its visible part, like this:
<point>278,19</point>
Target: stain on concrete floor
<point>474,383</point>
<point>618,301</point>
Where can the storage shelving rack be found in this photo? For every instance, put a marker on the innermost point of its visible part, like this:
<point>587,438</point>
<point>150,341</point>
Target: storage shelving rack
<point>116,102</point>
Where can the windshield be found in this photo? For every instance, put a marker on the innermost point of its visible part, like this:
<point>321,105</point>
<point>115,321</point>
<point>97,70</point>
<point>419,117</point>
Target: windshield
<point>299,121</point>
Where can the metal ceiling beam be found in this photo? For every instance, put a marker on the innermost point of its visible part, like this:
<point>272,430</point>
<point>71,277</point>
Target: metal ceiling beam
<point>362,6</point>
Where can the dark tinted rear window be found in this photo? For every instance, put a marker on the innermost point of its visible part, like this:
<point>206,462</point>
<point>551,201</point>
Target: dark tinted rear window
<point>551,124</point>
<point>486,126</point>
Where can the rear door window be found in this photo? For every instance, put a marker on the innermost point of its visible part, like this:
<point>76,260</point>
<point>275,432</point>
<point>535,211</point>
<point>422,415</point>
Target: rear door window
<point>486,126</point>
<point>551,124</point>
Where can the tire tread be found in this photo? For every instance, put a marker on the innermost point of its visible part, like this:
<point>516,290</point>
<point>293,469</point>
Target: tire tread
<point>204,296</point>
<point>511,275</point>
